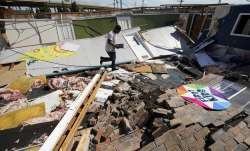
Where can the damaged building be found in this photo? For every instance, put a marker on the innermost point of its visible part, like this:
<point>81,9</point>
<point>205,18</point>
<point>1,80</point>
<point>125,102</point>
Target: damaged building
<point>183,85</point>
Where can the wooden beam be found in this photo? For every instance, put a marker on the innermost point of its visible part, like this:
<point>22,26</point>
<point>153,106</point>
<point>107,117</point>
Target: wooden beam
<point>68,142</point>
<point>83,144</point>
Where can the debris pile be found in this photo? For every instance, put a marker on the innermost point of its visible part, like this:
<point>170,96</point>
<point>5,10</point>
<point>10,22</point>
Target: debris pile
<point>37,101</point>
<point>145,113</point>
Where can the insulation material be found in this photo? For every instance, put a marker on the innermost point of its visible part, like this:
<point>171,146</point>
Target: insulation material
<point>24,84</point>
<point>10,95</point>
<point>15,118</point>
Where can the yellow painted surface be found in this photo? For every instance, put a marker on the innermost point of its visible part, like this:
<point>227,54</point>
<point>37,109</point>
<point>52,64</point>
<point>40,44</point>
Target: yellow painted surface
<point>47,53</point>
<point>15,118</point>
<point>23,83</point>
<point>36,148</point>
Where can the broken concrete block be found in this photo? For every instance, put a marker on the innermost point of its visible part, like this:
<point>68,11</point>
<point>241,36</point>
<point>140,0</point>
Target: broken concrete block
<point>122,87</point>
<point>139,107</point>
<point>229,144</point>
<point>247,120</point>
<point>52,100</point>
<point>125,125</point>
<point>240,138</point>
<point>141,118</point>
<point>247,141</point>
<point>115,121</point>
<point>108,131</point>
<point>102,95</point>
<point>217,146</point>
<point>150,76</point>
<point>114,111</point>
<point>161,111</point>
<point>218,134</point>
<point>92,121</point>
<point>175,122</point>
<point>159,131</point>
<point>165,76</point>
<point>98,136</point>
<point>240,147</point>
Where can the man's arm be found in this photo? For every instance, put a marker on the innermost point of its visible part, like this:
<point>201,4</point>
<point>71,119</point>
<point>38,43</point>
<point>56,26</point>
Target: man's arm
<point>112,44</point>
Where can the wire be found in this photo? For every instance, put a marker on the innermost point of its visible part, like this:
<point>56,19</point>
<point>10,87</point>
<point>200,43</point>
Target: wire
<point>25,28</point>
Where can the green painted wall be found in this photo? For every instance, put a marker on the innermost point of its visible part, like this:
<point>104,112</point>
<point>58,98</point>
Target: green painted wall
<point>104,25</point>
<point>153,21</point>
<point>101,25</point>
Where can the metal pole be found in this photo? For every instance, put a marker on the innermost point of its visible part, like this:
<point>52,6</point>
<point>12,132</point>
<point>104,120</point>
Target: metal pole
<point>121,4</point>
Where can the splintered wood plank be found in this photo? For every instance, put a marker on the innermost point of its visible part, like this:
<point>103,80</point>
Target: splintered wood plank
<point>84,141</point>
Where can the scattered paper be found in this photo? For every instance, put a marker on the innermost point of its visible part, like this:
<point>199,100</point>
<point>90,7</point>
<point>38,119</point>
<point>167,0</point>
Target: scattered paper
<point>69,46</point>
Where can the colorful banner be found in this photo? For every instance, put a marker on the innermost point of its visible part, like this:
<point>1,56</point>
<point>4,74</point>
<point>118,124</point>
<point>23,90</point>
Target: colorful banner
<point>203,96</point>
<point>46,53</point>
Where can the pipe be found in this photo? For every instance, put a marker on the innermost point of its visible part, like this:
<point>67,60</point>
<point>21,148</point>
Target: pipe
<point>61,127</point>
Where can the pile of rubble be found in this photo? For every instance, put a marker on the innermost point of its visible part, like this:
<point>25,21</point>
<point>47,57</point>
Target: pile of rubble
<point>145,112</point>
<point>137,107</point>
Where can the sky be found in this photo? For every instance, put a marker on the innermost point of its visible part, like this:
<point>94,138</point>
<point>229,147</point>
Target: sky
<point>133,3</point>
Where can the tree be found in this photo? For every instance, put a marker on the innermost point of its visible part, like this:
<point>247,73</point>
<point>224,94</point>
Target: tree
<point>74,7</point>
<point>64,9</point>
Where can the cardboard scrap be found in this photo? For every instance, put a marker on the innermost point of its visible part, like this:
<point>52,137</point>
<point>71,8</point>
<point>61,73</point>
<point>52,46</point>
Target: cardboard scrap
<point>24,84</point>
<point>146,68</point>
<point>12,71</point>
<point>140,68</point>
<point>15,118</point>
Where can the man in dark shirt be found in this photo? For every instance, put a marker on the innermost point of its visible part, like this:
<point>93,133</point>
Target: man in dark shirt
<point>2,27</point>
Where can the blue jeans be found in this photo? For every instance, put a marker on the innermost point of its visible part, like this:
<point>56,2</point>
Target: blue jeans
<point>112,57</point>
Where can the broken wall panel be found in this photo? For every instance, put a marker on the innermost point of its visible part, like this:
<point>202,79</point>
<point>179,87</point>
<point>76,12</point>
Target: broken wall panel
<point>226,25</point>
<point>88,56</point>
<point>38,31</point>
